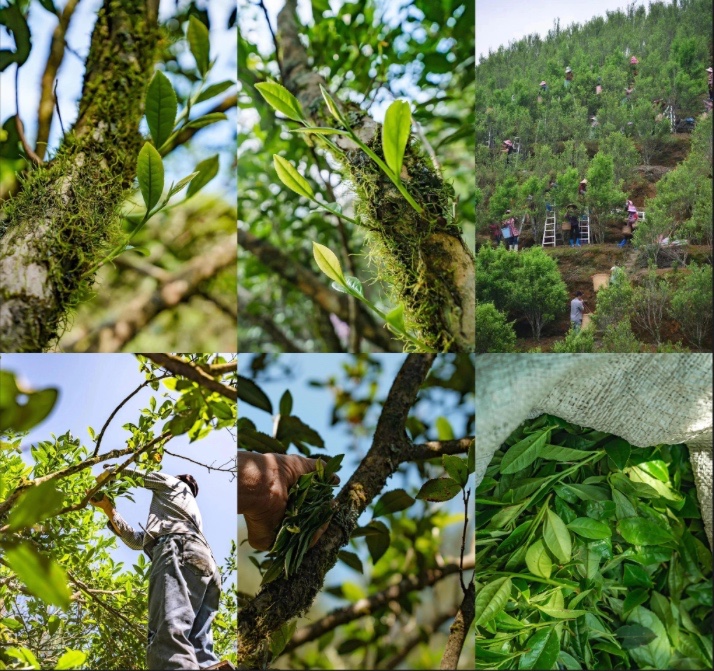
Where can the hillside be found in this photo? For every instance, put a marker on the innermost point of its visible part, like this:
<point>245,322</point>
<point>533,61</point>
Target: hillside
<point>622,102</point>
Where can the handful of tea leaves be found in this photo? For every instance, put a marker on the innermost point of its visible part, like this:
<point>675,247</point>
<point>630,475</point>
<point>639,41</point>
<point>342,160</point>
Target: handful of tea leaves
<point>590,554</point>
<point>309,507</point>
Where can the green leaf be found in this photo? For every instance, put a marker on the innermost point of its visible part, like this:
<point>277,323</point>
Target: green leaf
<point>332,466</point>
<point>619,451</point>
<point>206,120</point>
<point>639,531</point>
<point>161,108</point>
<point>635,576</point>
<point>352,282</point>
<point>280,638</point>
<point>588,528</point>
<point>588,492</point>
<point>440,489</point>
<point>13,18</point>
<point>49,5</point>
<point>213,90</point>
<point>395,317</point>
<point>557,537</point>
<point>35,504</point>
<point>281,100</point>
<point>23,416</point>
<point>542,650</point>
<point>289,176</point>
<point>634,635</point>
<point>492,599</point>
<point>175,188</point>
<point>392,502</point>
<point>636,597</point>
<point>72,659</point>
<point>24,655</point>
<point>351,559</point>
<point>332,106</point>
<point>378,540</point>
<point>328,262</point>
<point>43,576</point>
<point>252,394</point>
<point>395,134</point>
<point>199,43</point>
<point>456,468</point>
<point>286,403</point>
<point>207,170</point>
<point>538,561</point>
<point>558,453</point>
<point>561,613</point>
<point>524,452</point>
<point>150,171</point>
<point>568,661</point>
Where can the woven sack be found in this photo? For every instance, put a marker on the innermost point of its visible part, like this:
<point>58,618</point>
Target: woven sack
<point>647,399</point>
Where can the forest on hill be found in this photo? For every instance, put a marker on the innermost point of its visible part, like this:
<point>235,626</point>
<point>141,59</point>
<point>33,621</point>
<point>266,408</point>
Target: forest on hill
<point>584,121</point>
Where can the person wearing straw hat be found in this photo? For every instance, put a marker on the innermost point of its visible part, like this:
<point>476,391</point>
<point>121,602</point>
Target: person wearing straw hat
<point>508,149</point>
<point>710,80</point>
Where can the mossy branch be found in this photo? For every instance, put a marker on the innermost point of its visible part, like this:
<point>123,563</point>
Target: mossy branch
<point>67,214</point>
<point>280,601</point>
<point>420,255</point>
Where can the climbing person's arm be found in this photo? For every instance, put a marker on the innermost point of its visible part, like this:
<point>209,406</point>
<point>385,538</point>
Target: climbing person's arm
<point>117,524</point>
<point>264,482</point>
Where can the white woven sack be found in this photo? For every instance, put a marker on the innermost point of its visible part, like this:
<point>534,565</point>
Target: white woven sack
<point>647,399</point>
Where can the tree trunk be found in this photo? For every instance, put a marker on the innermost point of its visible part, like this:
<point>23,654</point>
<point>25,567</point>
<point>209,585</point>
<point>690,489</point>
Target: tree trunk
<point>67,215</point>
<point>421,256</point>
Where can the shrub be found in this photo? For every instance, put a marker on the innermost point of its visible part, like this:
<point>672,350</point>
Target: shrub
<point>691,305</point>
<point>620,338</point>
<point>539,293</point>
<point>613,302</point>
<point>581,341</point>
<point>493,332</point>
<point>650,302</point>
<point>495,268</point>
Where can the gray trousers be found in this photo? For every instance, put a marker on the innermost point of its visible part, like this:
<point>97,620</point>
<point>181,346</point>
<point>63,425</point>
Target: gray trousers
<point>184,591</point>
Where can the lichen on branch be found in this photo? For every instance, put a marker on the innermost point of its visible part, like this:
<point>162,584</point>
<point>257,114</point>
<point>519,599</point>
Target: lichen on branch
<point>68,212</point>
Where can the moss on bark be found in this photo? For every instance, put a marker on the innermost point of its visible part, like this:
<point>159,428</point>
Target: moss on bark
<point>67,214</point>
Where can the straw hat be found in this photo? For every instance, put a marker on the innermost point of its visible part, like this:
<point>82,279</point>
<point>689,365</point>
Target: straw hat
<point>567,70</point>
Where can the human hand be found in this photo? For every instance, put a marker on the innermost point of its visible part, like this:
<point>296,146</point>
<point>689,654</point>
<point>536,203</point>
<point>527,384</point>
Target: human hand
<point>264,481</point>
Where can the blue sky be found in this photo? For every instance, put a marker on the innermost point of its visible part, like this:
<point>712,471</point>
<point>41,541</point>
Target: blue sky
<point>498,22</point>
<point>217,138</point>
<point>90,387</point>
<point>313,405</point>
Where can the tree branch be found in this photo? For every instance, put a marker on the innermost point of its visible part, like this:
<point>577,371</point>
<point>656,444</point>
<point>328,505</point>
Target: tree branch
<point>460,629</point>
<point>71,470</point>
<point>369,605</point>
<point>54,60</point>
<point>179,366</point>
<point>119,407</point>
<point>281,600</point>
<point>320,294</point>
<point>264,323</point>
<point>437,448</point>
<point>423,636</point>
<point>176,288</point>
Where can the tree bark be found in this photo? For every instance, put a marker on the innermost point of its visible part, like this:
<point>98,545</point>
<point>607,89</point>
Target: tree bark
<point>422,256</point>
<point>459,629</point>
<point>281,600</point>
<point>67,214</point>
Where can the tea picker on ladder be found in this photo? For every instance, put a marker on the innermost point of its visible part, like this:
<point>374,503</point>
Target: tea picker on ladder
<point>184,582</point>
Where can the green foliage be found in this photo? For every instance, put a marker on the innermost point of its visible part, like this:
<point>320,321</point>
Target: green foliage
<point>650,304</point>
<point>582,340</point>
<point>618,337</point>
<point>691,304</point>
<point>493,332</point>
<point>594,564</point>
<point>538,291</point>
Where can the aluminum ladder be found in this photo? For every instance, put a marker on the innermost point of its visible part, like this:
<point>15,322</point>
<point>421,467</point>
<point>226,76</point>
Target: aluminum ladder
<point>549,231</point>
<point>584,227</point>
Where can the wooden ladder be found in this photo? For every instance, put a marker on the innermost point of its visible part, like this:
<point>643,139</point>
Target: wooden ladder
<point>549,229</point>
<point>585,228</point>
